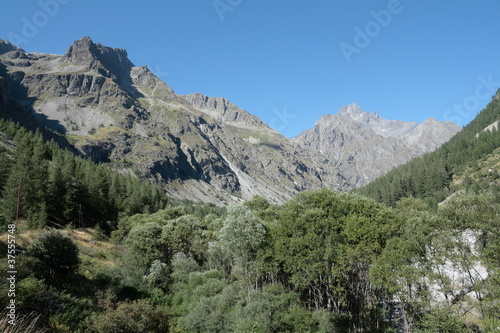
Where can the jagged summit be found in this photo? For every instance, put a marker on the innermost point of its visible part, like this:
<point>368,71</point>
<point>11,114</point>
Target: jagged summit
<point>81,49</point>
<point>104,60</point>
<point>430,121</point>
<point>6,46</point>
<point>353,111</point>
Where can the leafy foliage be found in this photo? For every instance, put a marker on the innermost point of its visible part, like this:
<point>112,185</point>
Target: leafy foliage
<point>135,317</point>
<point>322,247</point>
<point>323,262</point>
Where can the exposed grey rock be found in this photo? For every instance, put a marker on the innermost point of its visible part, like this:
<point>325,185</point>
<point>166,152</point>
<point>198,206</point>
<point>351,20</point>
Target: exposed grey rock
<point>492,127</point>
<point>364,146</point>
<point>6,46</point>
<point>431,134</point>
<point>106,61</point>
<point>200,147</point>
<point>223,110</point>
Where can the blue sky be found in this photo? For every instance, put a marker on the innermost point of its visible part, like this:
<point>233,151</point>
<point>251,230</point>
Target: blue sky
<point>291,61</point>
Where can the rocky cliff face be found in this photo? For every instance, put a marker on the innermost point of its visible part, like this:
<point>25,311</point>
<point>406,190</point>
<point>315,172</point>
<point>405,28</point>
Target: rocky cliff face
<point>199,147</point>
<point>99,59</point>
<point>364,146</point>
<point>225,112</point>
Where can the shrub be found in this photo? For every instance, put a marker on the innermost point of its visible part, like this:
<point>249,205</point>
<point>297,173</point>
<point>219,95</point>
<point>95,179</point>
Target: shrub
<point>136,317</point>
<point>55,257</point>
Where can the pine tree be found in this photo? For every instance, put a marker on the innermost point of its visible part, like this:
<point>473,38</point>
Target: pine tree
<point>55,188</point>
<point>5,164</point>
<point>26,181</point>
<point>72,189</point>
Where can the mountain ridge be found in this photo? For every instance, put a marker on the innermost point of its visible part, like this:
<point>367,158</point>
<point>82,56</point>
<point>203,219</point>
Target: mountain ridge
<point>364,145</point>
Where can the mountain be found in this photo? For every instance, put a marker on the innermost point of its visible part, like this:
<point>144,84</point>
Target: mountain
<point>201,148</point>
<point>468,161</point>
<point>364,146</point>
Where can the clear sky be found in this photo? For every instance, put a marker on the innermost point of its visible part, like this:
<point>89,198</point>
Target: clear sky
<point>291,61</point>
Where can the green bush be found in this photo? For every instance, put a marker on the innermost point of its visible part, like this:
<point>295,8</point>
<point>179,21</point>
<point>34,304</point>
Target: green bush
<point>145,245</point>
<point>442,321</point>
<point>136,317</point>
<point>72,313</point>
<point>30,293</point>
<point>55,257</point>
<point>99,234</point>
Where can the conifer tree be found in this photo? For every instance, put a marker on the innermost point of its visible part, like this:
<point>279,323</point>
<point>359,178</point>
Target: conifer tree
<point>25,187</point>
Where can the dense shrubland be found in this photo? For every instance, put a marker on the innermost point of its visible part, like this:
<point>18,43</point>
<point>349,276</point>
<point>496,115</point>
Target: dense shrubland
<point>323,262</point>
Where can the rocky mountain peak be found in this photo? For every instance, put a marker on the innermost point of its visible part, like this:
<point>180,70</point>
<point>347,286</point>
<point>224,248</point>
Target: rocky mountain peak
<point>6,46</point>
<point>351,109</point>
<point>434,123</point>
<point>107,61</point>
<point>430,121</point>
<point>82,51</point>
<point>430,134</point>
<point>354,112</point>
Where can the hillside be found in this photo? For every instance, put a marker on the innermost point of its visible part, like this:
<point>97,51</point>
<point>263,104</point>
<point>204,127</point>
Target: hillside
<point>46,185</point>
<point>482,174</point>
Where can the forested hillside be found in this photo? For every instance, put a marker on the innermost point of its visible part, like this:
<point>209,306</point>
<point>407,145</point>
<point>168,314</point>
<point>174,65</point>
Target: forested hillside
<point>431,176</point>
<point>56,188</point>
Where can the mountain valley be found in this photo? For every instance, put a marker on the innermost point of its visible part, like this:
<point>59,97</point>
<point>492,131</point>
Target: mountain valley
<point>127,207</point>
